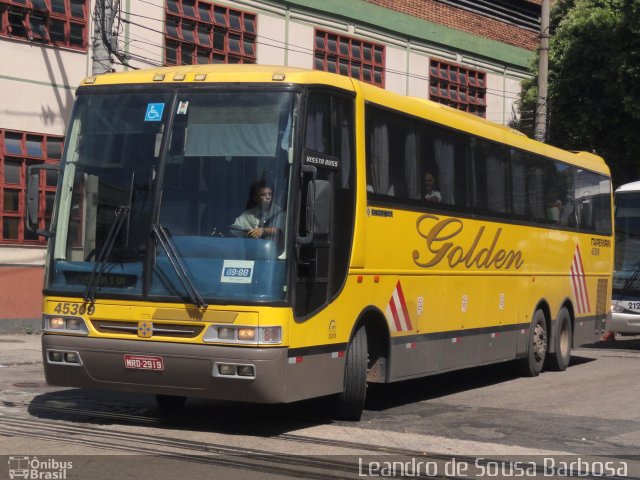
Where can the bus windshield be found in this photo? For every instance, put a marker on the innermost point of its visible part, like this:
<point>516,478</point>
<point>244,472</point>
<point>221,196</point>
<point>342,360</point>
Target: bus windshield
<point>627,248</point>
<point>162,190</point>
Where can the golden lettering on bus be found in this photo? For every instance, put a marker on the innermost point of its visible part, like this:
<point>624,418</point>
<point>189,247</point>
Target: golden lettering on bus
<point>441,246</point>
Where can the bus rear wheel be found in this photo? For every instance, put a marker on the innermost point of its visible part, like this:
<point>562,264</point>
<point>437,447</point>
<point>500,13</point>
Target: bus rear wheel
<point>559,360</point>
<point>350,402</point>
<point>531,366</point>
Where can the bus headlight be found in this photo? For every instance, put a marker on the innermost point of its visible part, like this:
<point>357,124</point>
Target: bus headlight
<point>615,308</point>
<point>243,334</point>
<point>226,333</point>
<point>246,334</point>
<point>60,324</point>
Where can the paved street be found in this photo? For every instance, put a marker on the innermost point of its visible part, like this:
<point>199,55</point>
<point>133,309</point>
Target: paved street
<point>485,412</point>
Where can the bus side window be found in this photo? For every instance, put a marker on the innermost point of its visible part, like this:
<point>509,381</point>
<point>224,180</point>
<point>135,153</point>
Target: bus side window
<point>452,157</point>
<point>591,196</point>
<point>490,178</point>
<point>393,167</point>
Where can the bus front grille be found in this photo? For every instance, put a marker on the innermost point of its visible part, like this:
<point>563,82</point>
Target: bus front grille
<point>172,330</point>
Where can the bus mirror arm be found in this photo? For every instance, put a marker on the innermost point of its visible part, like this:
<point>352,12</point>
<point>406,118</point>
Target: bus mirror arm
<point>33,198</point>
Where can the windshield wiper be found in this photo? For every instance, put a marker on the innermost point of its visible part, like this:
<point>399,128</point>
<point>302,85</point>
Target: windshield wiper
<point>99,266</point>
<point>174,259</point>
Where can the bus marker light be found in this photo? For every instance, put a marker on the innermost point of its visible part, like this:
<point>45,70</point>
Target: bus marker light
<point>158,77</point>
<point>337,354</point>
<point>295,360</point>
<point>178,77</point>
<point>278,77</point>
<point>271,335</point>
<point>359,278</point>
<point>200,77</point>
<point>90,80</point>
<point>376,279</point>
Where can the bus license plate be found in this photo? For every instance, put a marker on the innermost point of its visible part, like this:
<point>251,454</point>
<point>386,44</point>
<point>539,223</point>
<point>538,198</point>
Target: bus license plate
<point>143,362</point>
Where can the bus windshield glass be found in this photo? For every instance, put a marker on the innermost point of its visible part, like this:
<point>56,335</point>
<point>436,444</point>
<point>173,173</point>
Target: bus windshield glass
<point>163,193</point>
<point>627,248</point>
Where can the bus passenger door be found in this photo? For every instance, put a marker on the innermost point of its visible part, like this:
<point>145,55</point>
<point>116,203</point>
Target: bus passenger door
<point>323,252</point>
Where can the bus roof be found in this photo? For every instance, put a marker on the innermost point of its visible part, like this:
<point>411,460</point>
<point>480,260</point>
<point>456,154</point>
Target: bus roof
<point>222,73</point>
<point>419,107</point>
<point>629,187</point>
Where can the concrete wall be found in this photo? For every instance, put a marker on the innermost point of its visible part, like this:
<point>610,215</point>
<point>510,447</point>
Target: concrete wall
<point>38,83</point>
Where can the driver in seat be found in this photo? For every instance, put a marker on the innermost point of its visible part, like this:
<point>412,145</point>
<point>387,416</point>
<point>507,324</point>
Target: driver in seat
<point>262,219</point>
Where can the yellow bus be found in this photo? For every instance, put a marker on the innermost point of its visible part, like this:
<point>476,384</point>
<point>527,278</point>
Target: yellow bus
<point>268,234</point>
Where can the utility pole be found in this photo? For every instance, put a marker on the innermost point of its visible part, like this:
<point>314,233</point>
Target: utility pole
<point>540,131</point>
<point>102,38</point>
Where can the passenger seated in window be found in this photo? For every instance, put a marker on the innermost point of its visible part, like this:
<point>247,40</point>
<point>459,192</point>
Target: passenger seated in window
<point>431,193</point>
<point>553,212</point>
<point>262,219</point>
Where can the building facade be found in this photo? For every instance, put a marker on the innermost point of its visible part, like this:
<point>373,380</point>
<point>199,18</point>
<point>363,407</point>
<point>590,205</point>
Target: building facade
<point>469,54</point>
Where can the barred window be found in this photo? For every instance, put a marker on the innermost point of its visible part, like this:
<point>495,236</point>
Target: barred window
<point>349,56</point>
<point>199,32</point>
<point>19,150</point>
<point>458,87</point>
<point>50,22</point>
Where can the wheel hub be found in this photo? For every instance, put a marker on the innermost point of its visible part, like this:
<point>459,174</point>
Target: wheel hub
<point>539,343</point>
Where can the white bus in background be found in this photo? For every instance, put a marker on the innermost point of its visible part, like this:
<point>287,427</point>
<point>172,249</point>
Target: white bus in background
<point>626,274</point>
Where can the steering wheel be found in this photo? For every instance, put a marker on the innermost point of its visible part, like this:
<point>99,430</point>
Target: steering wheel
<point>229,232</point>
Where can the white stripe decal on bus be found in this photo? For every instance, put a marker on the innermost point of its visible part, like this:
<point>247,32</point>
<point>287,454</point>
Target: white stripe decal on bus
<point>397,313</point>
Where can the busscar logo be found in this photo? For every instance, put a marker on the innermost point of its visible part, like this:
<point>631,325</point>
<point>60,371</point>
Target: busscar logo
<point>34,468</point>
<point>332,330</point>
<point>145,329</point>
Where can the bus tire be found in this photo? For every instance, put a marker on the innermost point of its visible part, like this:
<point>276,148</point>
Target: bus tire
<point>170,403</point>
<point>531,366</point>
<point>350,402</point>
<point>559,360</point>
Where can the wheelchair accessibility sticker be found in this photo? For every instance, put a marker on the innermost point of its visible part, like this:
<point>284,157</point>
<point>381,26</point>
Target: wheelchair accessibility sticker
<point>154,112</point>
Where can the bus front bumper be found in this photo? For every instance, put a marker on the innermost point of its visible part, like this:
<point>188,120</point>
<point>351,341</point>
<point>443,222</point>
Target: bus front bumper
<point>159,367</point>
<point>624,323</point>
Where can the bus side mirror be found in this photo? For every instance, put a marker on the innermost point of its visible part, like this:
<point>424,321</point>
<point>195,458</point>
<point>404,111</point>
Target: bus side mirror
<point>321,218</point>
<point>317,206</point>
<point>33,198</point>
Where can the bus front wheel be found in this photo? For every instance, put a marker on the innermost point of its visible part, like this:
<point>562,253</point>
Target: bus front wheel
<point>559,360</point>
<point>350,402</point>
<point>537,348</point>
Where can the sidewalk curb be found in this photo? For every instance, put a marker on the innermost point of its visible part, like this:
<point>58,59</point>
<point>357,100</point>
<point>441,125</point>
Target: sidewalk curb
<point>20,325</point>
